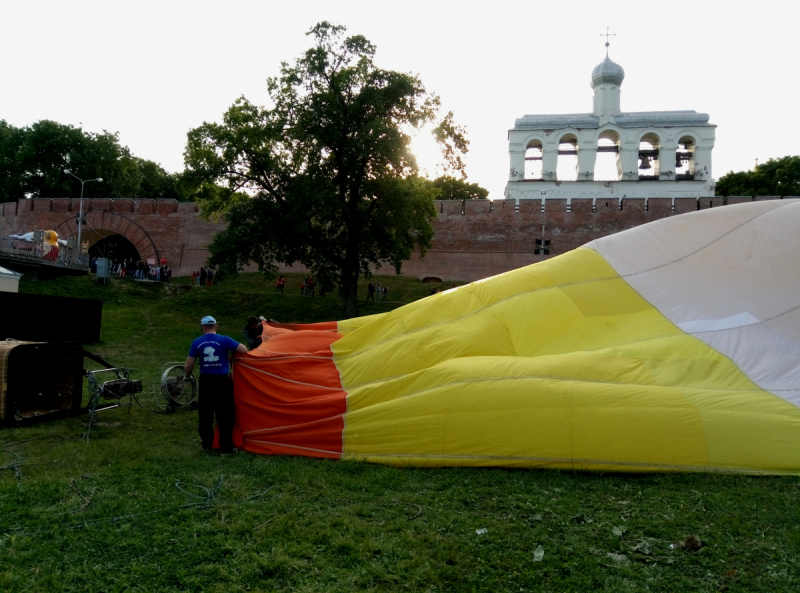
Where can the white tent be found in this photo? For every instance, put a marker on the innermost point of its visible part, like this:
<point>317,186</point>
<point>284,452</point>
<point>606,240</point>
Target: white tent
<point>9,280</point>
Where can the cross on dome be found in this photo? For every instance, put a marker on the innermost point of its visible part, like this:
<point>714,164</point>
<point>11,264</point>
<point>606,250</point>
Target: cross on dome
<point>607,35</point>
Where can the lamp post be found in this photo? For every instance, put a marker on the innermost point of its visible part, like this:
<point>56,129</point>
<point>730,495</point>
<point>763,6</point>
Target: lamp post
<point>80,215</point>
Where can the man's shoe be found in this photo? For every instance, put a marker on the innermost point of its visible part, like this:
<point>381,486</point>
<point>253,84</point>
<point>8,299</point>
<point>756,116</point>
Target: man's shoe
<point>228,452</point>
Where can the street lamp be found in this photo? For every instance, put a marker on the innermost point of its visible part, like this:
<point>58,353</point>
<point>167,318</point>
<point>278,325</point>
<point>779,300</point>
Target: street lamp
<point>80,216</point>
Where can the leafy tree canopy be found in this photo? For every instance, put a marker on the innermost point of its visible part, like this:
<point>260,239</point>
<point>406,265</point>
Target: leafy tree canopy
<point>776,177</point>
<point>325,176</point>
<point>451,188</point>
<point>33,159</point>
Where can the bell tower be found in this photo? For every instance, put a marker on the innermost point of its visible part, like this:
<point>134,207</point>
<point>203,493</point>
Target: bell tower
<point>610,154</point>
<point>607,79</point>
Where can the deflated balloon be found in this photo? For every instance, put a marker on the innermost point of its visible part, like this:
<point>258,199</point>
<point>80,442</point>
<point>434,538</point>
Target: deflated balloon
<point>674,346</point>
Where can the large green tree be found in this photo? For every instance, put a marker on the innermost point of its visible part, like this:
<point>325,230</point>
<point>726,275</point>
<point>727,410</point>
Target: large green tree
<point>33,159</point>
<point>452,188</point>
<point>325,176</point>
<point>776,177</point>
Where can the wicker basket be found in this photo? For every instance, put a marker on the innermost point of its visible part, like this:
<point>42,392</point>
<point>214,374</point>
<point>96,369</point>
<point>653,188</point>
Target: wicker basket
<point>39,378</point>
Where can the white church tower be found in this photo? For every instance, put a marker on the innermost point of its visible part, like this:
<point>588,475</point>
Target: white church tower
<point>611,153</point>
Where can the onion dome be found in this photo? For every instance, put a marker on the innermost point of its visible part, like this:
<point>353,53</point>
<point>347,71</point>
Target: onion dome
<point>607,72</point>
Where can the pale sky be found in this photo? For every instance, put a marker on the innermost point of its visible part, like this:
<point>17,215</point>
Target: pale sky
<point>152,70</point>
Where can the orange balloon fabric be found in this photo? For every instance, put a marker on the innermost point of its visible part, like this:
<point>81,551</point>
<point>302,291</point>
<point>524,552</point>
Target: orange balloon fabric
<point>289,399</point>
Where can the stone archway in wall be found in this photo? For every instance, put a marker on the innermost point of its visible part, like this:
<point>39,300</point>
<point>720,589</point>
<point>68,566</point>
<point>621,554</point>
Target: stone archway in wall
<point>103,224</point>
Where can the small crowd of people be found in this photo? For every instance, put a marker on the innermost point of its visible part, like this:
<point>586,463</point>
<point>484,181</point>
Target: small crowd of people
<point>308,287</point>
<point>204,277</point>
<point>138,269</point>
<point>382,292</point>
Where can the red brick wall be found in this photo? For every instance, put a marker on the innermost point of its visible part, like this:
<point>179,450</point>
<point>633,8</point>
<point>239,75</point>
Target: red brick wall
<point>473,240</point>
<point>157,228</point>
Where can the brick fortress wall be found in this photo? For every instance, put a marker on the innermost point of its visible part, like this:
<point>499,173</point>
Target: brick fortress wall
<point>480,238</point>
<point>157,228</point>
<point>474,239</point>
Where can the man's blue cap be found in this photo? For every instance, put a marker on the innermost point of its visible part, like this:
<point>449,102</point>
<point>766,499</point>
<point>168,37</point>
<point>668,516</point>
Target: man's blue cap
<point>208,320</point>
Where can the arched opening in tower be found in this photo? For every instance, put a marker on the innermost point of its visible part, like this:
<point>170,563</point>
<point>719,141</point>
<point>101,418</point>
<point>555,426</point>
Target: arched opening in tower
<point>649,164</point>
<point>533,160</point>
<point>607,166</point>
<point>684,159</point>
<point>567,167</point>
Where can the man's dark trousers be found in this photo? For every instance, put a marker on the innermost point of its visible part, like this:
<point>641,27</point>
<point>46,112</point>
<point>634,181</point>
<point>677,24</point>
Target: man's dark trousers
<point>216,398</point>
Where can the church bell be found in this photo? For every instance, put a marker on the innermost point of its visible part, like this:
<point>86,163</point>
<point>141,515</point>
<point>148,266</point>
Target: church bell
<point>645,163</point>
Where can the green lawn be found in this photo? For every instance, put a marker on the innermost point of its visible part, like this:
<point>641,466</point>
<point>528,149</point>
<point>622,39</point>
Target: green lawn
<point>139,507</point>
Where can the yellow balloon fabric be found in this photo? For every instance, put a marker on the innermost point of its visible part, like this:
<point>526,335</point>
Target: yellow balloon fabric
<point>560,364</point>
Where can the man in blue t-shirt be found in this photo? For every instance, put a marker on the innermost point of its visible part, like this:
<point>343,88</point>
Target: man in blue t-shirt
<point>216,388</point>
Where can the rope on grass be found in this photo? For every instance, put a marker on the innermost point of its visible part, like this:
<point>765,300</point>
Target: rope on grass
<point>6,446</point>
<point>14,466</point>
<point>52,437</point>
<point>92,419</point>
<point>210,492</point>
<point>87,500</point>
<point>21,461</point>
<point>205,501</point>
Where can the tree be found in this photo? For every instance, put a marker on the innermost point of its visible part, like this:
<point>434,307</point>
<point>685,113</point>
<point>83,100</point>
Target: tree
<point>33,159</point>
<point>324,177</point>
<point>151,181</point>
<point>11,180</point>
<point>776,177</point>
<point>450,188</point>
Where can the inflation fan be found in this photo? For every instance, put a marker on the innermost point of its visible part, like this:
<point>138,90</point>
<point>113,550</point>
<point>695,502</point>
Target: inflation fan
<point>178,390</point>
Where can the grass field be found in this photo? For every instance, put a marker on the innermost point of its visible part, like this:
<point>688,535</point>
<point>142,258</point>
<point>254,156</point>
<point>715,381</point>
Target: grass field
<point>139,506</point>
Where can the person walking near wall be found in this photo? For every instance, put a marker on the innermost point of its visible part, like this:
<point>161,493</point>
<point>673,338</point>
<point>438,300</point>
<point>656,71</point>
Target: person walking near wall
<point>215,397</point>
<point>370,291</point>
